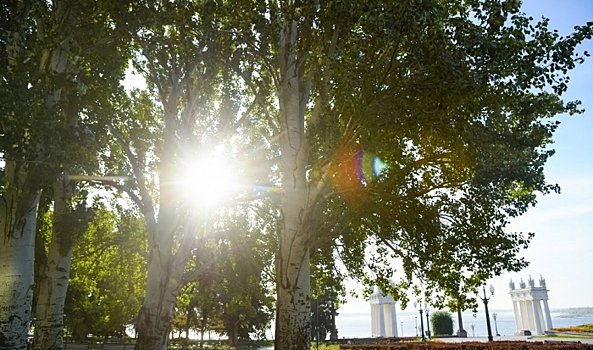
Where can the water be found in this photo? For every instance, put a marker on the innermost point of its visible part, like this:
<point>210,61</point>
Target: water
<point>358,325</point>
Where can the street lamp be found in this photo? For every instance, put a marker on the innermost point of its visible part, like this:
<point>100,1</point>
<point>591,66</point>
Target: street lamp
<point>485,300</point>
<point>402,323</point>
<point>421,320</point>
<point>494,314</point>
<point>317,321</point>
<point>427,321</point>
<point>416,322</point>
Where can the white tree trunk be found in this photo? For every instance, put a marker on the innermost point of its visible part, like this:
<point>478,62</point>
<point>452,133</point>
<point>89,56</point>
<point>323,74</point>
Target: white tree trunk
<point>157,309</point>
<point>165,268</point>
<point>18,220</point>
<point>53,283</point>
<point>292,260</point>
<point>49,311</point>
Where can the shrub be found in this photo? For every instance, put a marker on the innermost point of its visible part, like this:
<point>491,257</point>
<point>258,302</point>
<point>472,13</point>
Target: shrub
<point>442,323</point>
<point>584,328</point>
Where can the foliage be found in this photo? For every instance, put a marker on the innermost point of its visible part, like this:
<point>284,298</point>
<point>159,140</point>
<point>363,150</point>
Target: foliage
<point>584,328</point>
<point>454,96</point>
<point>442,323</point>
<point>466,147</point>
<point>108,276</point>
<point>230,288</point>
<point>323,313</point>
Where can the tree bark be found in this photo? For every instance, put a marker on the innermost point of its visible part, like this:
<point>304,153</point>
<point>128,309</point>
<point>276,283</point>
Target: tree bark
<point>53,283</point>
<point>18,220</point>
<point>292,259</point>
<point>162,288</point>
<point>165,268</point>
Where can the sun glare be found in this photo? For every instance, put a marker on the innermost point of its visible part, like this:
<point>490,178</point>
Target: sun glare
<point>207,182</point>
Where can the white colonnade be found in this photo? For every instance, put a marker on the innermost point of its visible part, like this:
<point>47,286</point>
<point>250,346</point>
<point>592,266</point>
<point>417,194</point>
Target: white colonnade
<point>383,317</point>
<point>527,305</point>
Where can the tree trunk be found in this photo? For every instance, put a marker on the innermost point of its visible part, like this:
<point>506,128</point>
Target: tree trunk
<point>53,283</point>
<point>203,329</point>
<point>165,268</point>
<point>162,289</point>
<point>292,259</point>
<point>461,333</point>
<point>233,330</point>
<point>18,220</point>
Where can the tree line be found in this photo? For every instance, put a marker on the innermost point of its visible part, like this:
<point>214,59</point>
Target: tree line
<point>386,141</point>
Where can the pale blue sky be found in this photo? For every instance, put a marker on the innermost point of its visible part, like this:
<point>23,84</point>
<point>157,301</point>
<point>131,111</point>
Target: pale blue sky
<point>562,250</point>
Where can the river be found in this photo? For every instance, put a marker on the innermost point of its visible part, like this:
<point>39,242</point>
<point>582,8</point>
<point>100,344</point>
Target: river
<point>358,325</point>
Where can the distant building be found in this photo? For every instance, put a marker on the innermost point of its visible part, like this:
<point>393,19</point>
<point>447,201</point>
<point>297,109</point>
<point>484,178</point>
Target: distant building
<point>383,317</point>
<point>527,304</point>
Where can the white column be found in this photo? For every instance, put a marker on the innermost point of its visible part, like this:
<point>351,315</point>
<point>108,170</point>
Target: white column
<point>548,316</point>
<point>524,316</point>
<point>394,318</point>
<point>518,321</point>
<point>381,320</point>
<point>536,318</point>
<point>388,320</point>
<point>374,320</point>
<point>530,319</point>
<point>540,312</point>
<point>378,320</point>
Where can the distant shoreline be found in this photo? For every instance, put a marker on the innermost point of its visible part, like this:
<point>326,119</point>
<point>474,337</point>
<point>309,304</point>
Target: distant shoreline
<point>576,312</point>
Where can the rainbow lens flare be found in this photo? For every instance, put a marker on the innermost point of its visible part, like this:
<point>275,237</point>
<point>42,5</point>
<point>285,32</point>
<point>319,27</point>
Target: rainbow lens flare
<point>352,172</point>
<point>368,166</point>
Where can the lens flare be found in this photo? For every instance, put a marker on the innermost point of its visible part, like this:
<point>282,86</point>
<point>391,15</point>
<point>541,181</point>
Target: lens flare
<point>368,166</point>
<point>352,172</point>
<point>268,189</point>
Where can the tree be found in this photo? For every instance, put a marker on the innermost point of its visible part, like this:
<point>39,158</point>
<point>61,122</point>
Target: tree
<point>19,192</point>
<point>53,72</point>
<point>89,62</point>
<point>230,286</point>
<point>442,323</point>
<point>179,50</point>
<point>452,96</point>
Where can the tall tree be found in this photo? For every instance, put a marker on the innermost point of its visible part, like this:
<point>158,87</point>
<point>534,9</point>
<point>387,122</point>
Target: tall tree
<point>25,106</point>
<point>452,95</point>
<point>90,59</point>
<point>179,52</point>
<point>54,71</point>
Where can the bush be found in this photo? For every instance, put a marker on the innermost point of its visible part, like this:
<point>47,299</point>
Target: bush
<point>442,323</point>
<point>584,328</point>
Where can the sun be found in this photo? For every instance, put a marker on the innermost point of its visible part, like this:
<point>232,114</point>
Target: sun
<point>206,182</point>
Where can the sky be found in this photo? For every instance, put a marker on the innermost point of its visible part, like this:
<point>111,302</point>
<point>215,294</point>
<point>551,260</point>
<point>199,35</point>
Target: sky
<point>562,250</point>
